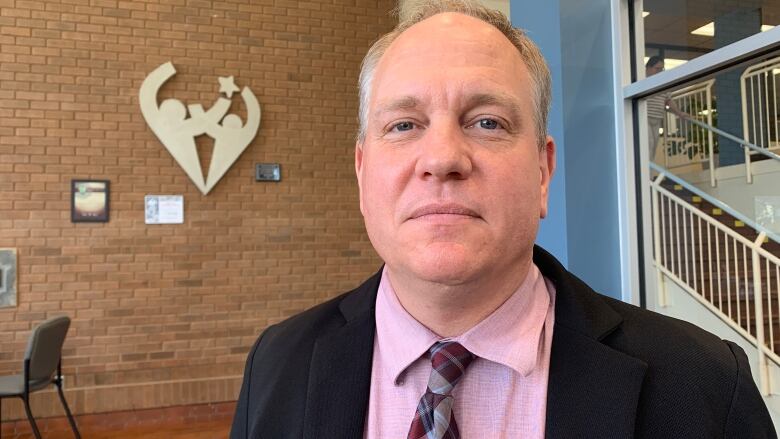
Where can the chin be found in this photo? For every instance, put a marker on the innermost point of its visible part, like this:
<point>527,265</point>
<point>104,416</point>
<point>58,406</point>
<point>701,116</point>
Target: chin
<point>452,267</point>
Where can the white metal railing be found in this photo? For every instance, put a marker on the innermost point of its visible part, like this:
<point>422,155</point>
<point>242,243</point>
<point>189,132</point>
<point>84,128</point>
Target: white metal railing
<point>744,144</point>
<point>735,278</point>
<point>685,142</point>
<point>760,110</point>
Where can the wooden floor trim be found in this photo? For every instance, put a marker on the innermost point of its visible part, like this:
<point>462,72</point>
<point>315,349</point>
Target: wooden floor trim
<point>189,421</point>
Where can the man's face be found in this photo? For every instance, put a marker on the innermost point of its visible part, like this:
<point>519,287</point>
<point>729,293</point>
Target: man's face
<point>452,178</point>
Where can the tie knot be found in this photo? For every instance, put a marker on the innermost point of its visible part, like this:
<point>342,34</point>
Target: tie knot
<point>449,360</point>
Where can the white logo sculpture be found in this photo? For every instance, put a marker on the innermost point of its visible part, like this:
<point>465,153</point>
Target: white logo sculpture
<point>177,132</point>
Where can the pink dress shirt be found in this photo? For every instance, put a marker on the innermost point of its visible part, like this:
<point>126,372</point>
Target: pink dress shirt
<point>503,393</point>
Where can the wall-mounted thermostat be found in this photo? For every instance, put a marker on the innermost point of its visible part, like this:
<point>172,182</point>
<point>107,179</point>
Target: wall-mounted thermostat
<point>268,172</point>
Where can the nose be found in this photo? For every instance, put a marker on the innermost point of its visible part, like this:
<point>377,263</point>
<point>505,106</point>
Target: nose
<point>444,154</point>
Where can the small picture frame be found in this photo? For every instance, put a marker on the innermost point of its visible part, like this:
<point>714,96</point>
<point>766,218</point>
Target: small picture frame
<point>89,201</point>
<point>268,172</point>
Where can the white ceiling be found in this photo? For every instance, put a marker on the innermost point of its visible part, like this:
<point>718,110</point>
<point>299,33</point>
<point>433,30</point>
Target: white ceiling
<point>671,22</point>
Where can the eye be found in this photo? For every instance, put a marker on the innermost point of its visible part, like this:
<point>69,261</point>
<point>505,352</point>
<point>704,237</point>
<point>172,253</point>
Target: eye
<point>489,124</point>
<point>403,126</point>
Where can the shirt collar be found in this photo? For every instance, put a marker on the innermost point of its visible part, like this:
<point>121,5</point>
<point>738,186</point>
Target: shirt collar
<point>401,338</point>
<point>511,335</point>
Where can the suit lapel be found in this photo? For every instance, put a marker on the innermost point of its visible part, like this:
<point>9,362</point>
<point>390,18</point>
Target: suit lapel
<point>340,373</point>
<point>593,390</point>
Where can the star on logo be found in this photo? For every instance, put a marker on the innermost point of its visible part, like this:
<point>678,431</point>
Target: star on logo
<point>227,86</point>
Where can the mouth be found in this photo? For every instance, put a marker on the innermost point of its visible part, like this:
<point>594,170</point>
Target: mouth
<point>436,209</point>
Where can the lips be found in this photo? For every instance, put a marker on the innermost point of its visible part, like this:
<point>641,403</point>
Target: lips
<point>443,209</point>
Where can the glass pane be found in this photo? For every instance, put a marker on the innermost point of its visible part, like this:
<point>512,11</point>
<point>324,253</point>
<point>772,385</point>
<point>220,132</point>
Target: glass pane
<point>680,30</point>
<point>722,136</point>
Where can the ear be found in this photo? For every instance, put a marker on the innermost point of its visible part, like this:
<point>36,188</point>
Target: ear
<point>546,170</point>
<point>359,171</point>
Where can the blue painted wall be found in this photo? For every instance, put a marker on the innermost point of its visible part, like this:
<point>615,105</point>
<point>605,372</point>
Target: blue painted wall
<point>575,37</point>
<point>543,25</point>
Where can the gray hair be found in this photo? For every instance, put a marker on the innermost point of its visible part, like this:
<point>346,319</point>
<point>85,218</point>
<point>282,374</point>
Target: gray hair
<point>529,53</point>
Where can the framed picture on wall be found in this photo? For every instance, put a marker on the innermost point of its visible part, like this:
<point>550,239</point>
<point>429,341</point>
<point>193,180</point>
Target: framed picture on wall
<point>89,201</point>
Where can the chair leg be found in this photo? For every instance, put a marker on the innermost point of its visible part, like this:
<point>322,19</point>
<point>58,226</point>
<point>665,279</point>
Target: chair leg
<point>67,410</point>
<point>26,399</point>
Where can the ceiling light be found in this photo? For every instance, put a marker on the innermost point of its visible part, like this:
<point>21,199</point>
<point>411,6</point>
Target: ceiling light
<point>708,30</point>
<point>670,63</point>
<point>645,14</point>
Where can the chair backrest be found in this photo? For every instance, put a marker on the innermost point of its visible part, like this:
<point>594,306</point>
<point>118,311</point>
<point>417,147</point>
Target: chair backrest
<point>44,348</point>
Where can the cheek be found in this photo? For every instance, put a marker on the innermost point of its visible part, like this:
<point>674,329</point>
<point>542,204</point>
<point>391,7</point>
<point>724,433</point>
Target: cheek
<point>378,190</point>
<point>517,193</point>
<point>385,174</point>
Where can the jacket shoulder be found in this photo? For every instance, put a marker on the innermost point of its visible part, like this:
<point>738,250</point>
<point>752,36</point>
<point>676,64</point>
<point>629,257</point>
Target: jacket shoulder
<point>278,365</point>
<point>692,376</point>
<point>652,336</point>
<point>305,325</point>
<point>308,325</point>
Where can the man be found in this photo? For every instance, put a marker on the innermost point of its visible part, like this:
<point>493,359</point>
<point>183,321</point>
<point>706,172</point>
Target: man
<point>656,106</point>
<point>469,330</point>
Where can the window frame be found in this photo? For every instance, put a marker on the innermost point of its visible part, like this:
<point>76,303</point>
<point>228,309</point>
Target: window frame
<point>632,150</point>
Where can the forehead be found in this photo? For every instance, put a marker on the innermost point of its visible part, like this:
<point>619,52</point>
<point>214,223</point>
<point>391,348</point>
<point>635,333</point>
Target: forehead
<point>447,55</point>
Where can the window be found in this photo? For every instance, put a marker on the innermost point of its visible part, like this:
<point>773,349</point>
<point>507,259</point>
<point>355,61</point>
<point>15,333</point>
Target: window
<point>681,30</point>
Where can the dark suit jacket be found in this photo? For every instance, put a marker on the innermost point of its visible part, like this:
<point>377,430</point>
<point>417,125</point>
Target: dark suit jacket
<point>616,371</point>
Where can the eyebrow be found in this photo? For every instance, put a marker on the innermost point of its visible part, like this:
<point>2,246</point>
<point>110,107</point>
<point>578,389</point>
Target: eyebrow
<point>471,101</point>
<point>402,103</point>
<point>481,99</point>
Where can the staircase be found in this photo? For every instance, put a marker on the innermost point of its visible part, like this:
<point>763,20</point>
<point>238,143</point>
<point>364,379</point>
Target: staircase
<point>720,267</point>
<point>715,266</point>
<point>707,252</point>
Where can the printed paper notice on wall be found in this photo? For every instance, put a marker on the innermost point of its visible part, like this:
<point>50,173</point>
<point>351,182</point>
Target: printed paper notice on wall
<point>7,277</point>
<point>768,212</point>
<point>164,209</point>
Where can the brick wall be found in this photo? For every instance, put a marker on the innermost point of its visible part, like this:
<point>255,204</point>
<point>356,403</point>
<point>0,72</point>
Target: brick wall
<point>165,314</point>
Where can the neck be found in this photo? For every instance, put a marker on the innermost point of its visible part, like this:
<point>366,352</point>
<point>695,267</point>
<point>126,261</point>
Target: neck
<point>451,310</point>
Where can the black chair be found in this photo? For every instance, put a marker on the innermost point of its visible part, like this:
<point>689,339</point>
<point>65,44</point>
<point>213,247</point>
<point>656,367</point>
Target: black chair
<point>42,359</point>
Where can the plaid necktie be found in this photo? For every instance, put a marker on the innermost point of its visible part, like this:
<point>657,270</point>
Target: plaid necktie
<point>434,419</point>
